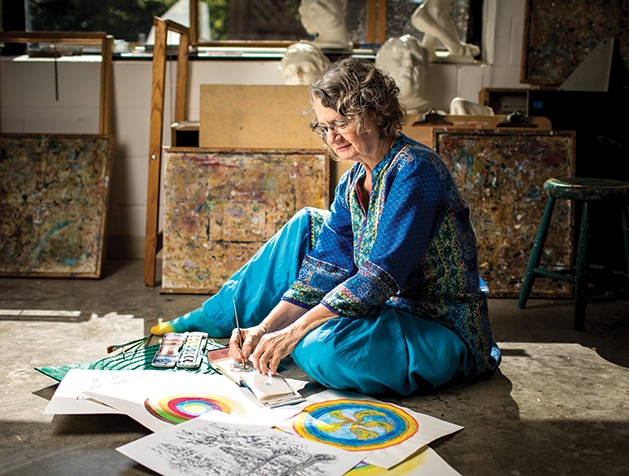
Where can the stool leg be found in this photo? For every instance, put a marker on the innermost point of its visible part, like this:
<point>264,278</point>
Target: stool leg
<point>581,269</point>
<point>536,253</point>
<point>625,227</point>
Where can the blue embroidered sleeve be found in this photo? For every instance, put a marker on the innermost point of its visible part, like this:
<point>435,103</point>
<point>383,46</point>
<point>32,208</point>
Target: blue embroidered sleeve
<point>330,262</point>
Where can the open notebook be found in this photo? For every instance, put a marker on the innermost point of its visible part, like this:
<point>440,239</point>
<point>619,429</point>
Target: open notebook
<point>272,391</point>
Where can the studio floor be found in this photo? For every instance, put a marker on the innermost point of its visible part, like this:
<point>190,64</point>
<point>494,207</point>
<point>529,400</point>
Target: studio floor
<point>558,405</point>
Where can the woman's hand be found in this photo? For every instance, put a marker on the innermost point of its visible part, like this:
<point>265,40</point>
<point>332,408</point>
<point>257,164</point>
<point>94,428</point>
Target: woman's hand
<point>272,348</point>
<point>240,347</point>
<point>265,345</point>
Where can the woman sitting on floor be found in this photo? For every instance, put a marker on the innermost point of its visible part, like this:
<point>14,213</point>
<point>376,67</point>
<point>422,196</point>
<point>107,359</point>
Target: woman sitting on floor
<point>383,291</point>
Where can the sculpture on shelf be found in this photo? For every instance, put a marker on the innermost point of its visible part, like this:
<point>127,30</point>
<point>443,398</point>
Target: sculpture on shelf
<point>406,61</point>
<point>460,106</point>
<point>326,20</point>
<point>433,18</point>
<point>302,63</point>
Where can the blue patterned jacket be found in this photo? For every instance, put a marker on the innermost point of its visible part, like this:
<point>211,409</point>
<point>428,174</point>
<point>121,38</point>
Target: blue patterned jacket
<point>414,249</point>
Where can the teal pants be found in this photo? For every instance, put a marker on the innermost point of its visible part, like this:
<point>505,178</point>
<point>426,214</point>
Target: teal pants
<point>387,350</point>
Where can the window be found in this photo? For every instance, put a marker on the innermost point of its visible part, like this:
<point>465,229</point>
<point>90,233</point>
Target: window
<point>124,19</point>
<point>243,22</point>
<point>258,20</point>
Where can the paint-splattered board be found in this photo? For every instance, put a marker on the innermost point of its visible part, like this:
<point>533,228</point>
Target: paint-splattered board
<point>53,204</point>
<point>501,175</point>
<point>220,207</point>
<point>558,36</point>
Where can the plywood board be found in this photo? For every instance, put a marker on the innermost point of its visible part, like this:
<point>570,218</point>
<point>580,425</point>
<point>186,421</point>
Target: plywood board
<point>501,175</point>
<point>54,191</point>
<point>220,207</point>
<point>423,132</point>
<point>256,116</point>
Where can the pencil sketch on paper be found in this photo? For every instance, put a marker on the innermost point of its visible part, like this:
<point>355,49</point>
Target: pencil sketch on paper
<point>249,450</point>
<point>207,448</point>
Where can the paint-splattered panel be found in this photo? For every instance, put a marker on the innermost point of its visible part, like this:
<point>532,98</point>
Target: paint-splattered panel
<point>501,175</point>
<point>558,36</point>
<point>220,207</point>
<point>53,204</point>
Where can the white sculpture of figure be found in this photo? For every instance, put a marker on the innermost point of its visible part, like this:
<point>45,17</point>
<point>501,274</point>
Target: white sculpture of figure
<point>302,63</point>
<point>406,61</point>
<point>460,106</point>
<point>433,18</point>
<point>326,20</point>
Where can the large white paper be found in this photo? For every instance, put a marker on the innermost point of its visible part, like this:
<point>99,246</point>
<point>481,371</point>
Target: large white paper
<point>181,396</point>
<point>70,399</point>
<point>383,433</point>
<point>205,447</point>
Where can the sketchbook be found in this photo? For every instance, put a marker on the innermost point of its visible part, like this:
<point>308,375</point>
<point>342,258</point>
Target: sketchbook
<point>272,391</point>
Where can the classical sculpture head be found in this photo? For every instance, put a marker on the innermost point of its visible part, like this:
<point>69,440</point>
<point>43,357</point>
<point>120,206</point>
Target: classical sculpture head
<point>406,60</point>
<point>302,63</point>
<point>326,20</point>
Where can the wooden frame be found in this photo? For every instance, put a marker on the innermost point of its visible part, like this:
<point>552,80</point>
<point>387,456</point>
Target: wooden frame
<point>153,238</point>
<point>57,185</point>
<point>376,21</point>
<point>104,40</point>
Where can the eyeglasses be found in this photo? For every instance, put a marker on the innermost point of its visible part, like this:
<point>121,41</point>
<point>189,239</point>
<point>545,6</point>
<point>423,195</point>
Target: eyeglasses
<point>338,126</point>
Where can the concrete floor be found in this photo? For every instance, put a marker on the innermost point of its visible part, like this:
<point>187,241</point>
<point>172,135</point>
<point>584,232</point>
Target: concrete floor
<point>559,404</point>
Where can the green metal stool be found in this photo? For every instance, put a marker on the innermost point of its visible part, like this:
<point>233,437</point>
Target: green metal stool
<point>585,190</point>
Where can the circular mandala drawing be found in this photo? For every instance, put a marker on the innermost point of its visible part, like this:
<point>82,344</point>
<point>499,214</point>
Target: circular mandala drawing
<point>177,409</point>
<point>355,425</point>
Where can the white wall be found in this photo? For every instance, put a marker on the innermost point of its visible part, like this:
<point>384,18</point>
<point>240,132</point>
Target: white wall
<point>28,103</point>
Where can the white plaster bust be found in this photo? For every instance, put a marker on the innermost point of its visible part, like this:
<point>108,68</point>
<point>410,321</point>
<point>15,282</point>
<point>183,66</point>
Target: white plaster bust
<point>406,61</point>
<point>302,63</point>
<point>326,20</point>
<point>460,106</point>
<point>433,18</point>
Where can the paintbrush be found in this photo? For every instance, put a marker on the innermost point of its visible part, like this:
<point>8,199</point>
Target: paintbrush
<point>240,343</point>
<point>136,343</point>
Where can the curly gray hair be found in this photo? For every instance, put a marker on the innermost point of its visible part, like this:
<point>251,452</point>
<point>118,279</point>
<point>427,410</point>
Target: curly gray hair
<point>363,94</point>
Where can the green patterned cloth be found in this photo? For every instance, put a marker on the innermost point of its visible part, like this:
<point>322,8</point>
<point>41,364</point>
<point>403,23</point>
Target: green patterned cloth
<point>134,359</point>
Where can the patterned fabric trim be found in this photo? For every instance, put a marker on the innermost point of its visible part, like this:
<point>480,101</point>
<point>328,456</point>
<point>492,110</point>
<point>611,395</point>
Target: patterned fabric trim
<point>375,284</point>
<point>315,276</point>
<point>317,217</point>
